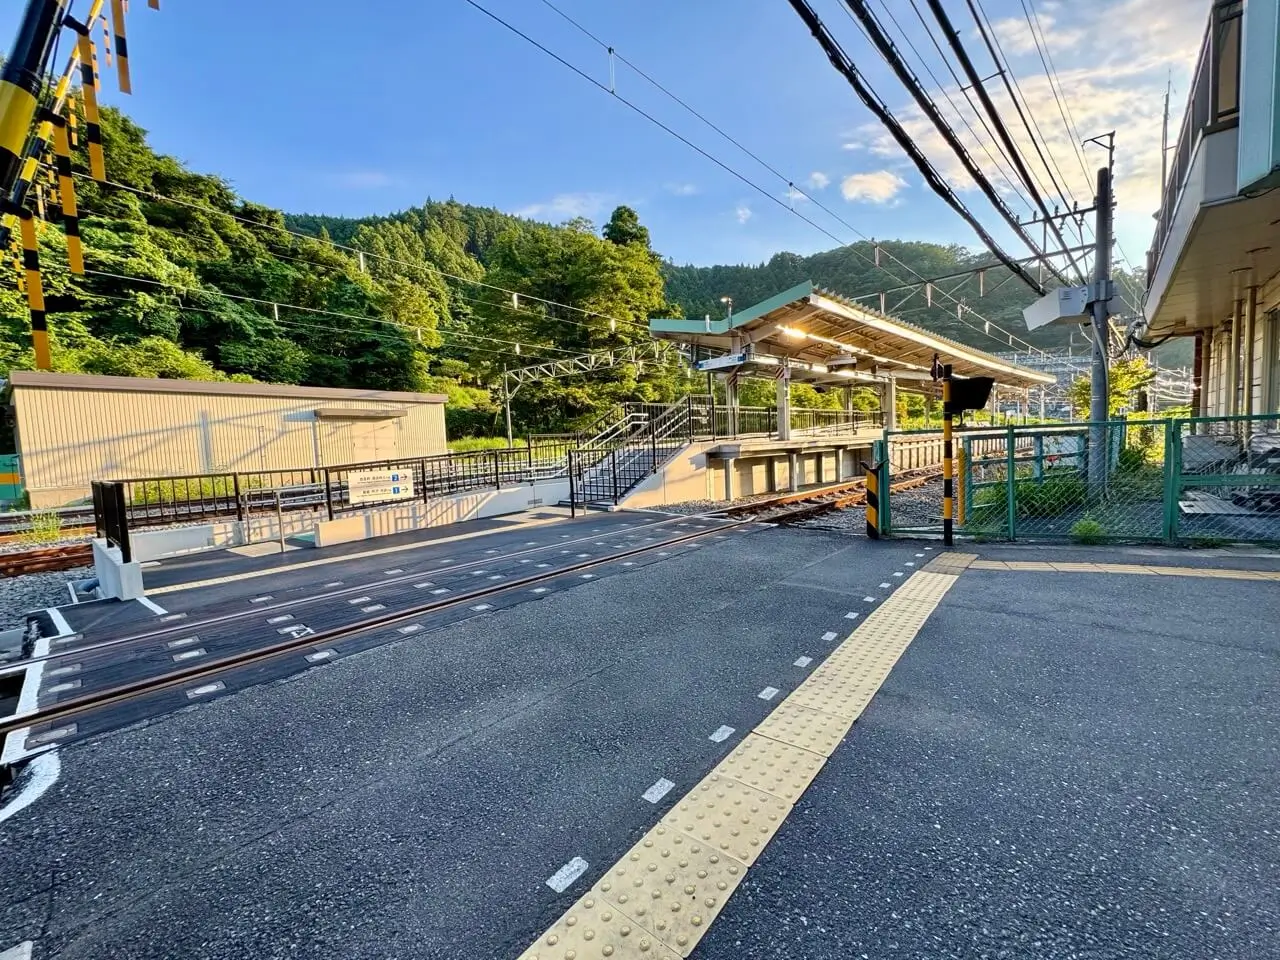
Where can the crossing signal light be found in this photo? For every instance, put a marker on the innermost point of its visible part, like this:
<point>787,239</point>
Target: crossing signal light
<point>969,393</point>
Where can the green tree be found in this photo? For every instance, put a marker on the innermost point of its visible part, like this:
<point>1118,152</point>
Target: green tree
<point>624,227</point>
<point>1127,376</point>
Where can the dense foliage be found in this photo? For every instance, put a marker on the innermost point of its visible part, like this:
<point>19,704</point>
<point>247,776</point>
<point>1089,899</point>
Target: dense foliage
<point>186,279</point>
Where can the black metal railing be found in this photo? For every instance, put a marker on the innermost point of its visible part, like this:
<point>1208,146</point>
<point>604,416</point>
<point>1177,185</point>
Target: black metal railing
<point>110,516</point>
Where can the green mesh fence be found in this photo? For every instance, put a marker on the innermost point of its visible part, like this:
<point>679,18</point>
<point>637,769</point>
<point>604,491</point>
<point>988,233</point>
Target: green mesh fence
<point>1198,481</point>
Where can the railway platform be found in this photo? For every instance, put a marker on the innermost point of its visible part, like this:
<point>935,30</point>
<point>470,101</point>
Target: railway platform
<point>847,747</point>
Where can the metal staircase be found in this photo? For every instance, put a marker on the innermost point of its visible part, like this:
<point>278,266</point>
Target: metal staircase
<point>611,464</point>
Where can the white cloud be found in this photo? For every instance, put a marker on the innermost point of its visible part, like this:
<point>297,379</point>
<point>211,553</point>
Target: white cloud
<point>362,179</point>
<point>878,186</point>
<point>819,180</point>
<point>743,213</point>
<point>1016,38</point>
<point>682,189</point>
<point>566,206</point>
<point>794,194</point>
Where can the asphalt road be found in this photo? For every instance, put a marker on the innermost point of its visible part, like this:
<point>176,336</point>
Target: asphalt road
<point>411,800</point>
<point>1062,765</point>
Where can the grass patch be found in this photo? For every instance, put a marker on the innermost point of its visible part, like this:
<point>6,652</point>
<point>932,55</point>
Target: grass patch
<point>1087,530</point>
<point>471,444</point>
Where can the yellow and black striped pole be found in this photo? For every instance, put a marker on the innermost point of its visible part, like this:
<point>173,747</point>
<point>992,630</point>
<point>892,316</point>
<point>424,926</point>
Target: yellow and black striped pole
<point>20,82</point>
<point>948,474</point>
<point>122,46</point>
<point>873,500</point>
<point>35,289</point>
<point>89,91</point>
<point>67,193</point>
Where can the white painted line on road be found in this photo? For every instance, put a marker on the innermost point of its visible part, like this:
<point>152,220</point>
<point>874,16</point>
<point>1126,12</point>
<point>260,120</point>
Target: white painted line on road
<point>334,583</point>
<point>829,636</point>
<point>476,573</point>
<point>371,608</point>
<point>39,776</point>
<point>409,628</point>
<point>206,689</point>
<point>659,790</point>
<point>495,576</point>
<point>182,642</point>
<point>283,618</point>
<point>151,605</point>
<point>190,654</point>
<point>321,655</point>
<point>571,871</point>
<point>481,607</point>
<point>490,551</point>
<point>169,618</point>
<point>391,573</point>
<point>884,586</point>
<point>897,573</point>
<point>564,536</point>
<point>564,552</point>
<point>919,554</point>
<point>266,596</point>
<point>423,585</point>
<point>911,563</point>
<point>851,615</point>
<point>59,622</point>
<point>663,553</point>
<point>526,560</point>
<point>57,733</point>
<point>543,566</point>
<point>531,543</point>
<point>721,735</point>
<point>538,590</point>
<point>588,576</point>
<point>628,563</point>
<point>439,590</point>
<point>928,548</point>
<point>768,693</point>
<point>63,687</point>
<point>869,599</point>
<point>354,600</point>
<point>803,661</point>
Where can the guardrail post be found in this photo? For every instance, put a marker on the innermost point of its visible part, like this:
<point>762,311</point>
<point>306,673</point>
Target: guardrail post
<point>422,465</point>
<point>235,486</point>
<point>497,475</point>
<point>573,496</point>
<point>122,522</point>
<point>653,447</point>
<point>613,460</point>
<point>328,492</point>
<point>873,500</point>
<point>1012,467</point>
<point>529,444</point>
<point>1172,472</point>
<point>688,422</point>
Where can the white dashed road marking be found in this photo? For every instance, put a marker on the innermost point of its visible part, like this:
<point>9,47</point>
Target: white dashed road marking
<point>658,790</point>
<point>722,734</point>
<point>571,871</point>
<point>803,661</point>
<point>768,693</point>
<point>829,636</point>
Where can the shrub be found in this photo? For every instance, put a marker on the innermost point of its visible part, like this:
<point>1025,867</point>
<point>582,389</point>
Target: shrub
<point>1088,530</point>
<point>46,527</point>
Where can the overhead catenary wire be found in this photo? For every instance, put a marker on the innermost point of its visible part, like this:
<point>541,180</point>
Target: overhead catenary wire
<point>976,82</point>
<point>889,53</point>
<point>962,307</point>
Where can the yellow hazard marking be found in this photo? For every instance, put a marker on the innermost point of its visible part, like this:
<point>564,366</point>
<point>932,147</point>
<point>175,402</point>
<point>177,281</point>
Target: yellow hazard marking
<point>1136,569</point>
<point>17,110</point>
<point>660,898</point>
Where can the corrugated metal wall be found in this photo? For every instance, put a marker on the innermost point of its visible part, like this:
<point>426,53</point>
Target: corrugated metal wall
<point>68,438</point>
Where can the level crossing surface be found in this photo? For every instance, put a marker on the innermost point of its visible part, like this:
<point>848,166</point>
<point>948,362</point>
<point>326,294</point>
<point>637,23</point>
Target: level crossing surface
<point>1059,764</point>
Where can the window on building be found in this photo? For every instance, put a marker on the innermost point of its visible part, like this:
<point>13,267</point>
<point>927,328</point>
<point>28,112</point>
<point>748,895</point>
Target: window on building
<point>1271,360</point>
<point>1226,61</point>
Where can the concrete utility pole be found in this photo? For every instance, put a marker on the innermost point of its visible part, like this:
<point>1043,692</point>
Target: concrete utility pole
<point>1101,296</point>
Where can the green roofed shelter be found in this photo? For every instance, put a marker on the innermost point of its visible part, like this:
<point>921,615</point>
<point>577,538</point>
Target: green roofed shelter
<point>819,337</point>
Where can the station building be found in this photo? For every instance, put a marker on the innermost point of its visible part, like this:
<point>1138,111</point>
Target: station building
<point>1213,270</point>
<point>72,429</point>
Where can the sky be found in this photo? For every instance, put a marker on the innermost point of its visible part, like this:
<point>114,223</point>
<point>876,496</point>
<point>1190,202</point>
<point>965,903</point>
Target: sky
<point>331,107</point>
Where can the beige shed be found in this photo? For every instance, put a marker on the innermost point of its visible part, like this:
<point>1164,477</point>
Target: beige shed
<point>74,428</point>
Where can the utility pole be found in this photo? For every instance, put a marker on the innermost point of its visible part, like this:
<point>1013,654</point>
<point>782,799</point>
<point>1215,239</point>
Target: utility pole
<point>506,403</point>
<point>20,83</point>
<point>1101,297</point>
<point>1164,143</point>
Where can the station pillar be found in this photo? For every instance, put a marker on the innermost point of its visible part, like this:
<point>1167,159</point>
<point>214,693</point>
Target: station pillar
<point>793,472</point>
<point>889,403</point>
<point>731,401</point>
<point>784,405</point>
<point>728,478</point>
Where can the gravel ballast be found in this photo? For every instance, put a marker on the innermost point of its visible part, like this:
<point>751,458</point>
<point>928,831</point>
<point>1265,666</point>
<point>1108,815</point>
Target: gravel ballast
<point>35,591</point>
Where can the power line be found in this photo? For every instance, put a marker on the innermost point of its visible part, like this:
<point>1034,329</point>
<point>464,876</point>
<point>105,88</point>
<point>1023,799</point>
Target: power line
<point>888,52</point>
<point>976,82</point>
<point>961,306</point>
<point>1055,82</point>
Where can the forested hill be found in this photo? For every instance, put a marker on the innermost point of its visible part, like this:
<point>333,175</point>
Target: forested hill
<point>186,279</point>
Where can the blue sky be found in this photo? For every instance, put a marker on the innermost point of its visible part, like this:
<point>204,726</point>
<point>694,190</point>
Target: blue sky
<point>330,107</point>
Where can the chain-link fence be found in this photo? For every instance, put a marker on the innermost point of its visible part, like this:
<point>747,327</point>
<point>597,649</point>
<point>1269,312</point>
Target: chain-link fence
<point>1203,480</point>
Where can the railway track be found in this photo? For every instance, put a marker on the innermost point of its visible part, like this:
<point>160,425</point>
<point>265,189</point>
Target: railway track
<point>69,709</point>
<point>806,504</point>
<point>45,559</point>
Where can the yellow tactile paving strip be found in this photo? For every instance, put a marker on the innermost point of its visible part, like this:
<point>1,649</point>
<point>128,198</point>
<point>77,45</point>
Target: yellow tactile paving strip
<point>660,898</point>
<point>1130,568</point>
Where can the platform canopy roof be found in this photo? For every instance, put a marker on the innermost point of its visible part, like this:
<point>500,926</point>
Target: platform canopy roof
<point>806,328</point>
